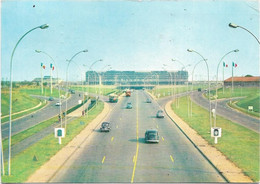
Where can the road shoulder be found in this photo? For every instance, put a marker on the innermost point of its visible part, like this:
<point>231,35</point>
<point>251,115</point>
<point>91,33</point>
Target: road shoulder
<point>229,170</point>
<point>48,170</point>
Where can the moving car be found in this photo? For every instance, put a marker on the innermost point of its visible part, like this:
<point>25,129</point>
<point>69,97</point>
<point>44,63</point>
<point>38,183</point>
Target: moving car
<point>152,136</point>
<point>105,127</point>
<point>148,100</point>
<point>129,105</point>
<point>51,99</point>
<point>58,104</point>
<point>160,114</point>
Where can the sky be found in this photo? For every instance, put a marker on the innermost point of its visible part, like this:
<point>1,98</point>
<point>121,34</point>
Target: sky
<point>129,35</point>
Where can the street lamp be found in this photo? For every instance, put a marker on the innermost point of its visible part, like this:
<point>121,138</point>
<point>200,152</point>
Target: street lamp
<point>175,60</point>
<point>38,51</point>
<point>69,61</point>
<point>232,25</point>
<point>44,26</point>
<point>190,50</point>
<point>236,50</point>
<point>192,83</point>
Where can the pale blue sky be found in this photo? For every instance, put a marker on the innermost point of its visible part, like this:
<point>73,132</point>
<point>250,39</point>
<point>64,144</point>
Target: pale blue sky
<point>129,35</point>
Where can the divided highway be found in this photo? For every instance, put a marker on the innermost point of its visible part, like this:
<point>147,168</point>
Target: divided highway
<point>122,155</point>
<point>46,113</point>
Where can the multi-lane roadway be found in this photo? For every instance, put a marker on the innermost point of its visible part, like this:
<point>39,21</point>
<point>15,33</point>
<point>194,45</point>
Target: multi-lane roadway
<point>122,155</point>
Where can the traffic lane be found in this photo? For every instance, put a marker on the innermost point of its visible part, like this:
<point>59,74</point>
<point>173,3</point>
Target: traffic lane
<point>106,154</point>
<point>174,159</point>
<point>228,113</point>
<point>30,120</point>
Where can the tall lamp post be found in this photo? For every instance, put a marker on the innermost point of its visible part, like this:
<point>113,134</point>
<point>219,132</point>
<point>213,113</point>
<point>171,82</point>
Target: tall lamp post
<point>192,83</point>
<point>44,26</point>
<point>38,51</point>
<point>232,25</point>
<point>69,61</point>
<point>190,50</point>
<point>175,60</point>
<point>236,50</point>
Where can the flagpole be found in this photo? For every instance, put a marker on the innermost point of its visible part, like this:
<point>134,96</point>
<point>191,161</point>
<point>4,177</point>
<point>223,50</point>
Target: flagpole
<point>41,78</point>
<point>51,77</point>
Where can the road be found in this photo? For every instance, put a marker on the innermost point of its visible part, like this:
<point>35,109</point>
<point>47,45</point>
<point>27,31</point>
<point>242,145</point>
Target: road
<point>121,155</point>
<point>46,113</point>
<point>227,112</point>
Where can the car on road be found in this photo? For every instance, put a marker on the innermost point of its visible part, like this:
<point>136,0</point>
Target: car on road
<point>160,114</point>
<point>129,105</point>
<point>105,127</point>
<point>199,89</point>
<point>72,91</point>
<point>151,136</point>
<point>58,104</point>
<point>51,99</point>
<point>148,100</point>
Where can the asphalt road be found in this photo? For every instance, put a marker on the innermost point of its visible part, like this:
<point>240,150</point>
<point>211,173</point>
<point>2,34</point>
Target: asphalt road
<point>46,113</point>
<point>121,155</point>
<point>227,112</point>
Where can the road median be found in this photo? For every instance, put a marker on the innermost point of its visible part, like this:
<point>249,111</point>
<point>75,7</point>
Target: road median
<point>227,168</point>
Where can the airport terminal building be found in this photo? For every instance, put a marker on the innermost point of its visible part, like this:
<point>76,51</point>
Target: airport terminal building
<point>122,78</point>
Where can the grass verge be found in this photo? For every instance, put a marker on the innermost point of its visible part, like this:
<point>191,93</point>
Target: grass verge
<point>238,144</point>
<point>251,113</point>
<point>92,89</point>
<point>23,164</point>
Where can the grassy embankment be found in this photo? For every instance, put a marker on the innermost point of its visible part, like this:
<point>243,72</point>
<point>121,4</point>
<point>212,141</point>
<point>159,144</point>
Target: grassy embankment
<point>239,144</point>
<point>104,90</point>
<point>252,98</point>
<point>22,101</point>
<point>23,164</point>
<point>163,91</point>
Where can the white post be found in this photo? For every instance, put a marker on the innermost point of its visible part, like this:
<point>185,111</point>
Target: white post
<point>216,140</point>
<point>51,77</point>
<point>41,78</point>
<point>59,140</point>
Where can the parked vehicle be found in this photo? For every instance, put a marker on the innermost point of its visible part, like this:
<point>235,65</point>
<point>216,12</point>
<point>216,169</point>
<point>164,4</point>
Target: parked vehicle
<point>160,114</point>
<point>105,127</point>
<point>128,93</point>
<point>151,136</point>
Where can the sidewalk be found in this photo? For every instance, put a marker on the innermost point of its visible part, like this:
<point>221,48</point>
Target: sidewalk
<point>46,172</point>
<point>228,169</point>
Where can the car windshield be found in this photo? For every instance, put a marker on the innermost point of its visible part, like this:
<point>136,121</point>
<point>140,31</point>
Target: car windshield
<point>105,124</point>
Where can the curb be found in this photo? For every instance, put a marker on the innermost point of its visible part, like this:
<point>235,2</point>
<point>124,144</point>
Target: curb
<point>47,171</point>
<point>229,172</point>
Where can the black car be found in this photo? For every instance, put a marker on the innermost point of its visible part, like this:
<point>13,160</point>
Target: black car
<point>151,136</point>
<point>160,114</point>
<point>105,127</point>
<point>51,99</point>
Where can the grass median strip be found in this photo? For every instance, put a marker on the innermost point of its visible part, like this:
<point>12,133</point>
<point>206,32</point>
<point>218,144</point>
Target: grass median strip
<point>238,144</point>
<point>28,161</point>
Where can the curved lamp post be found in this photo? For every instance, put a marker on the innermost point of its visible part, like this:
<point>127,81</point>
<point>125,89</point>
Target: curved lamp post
<point>69,61</point>
<point>170,76</point>
<point>44,26</point>
<point>175,60</point>
<point>236,50</point>
<point>232,25</point>
<point>192,83</point>
<point>38,51</point>
<point>190,50</point>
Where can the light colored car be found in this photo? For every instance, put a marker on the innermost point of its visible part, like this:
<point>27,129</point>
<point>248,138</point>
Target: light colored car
<point>151,136</point>
<point>58,104</point>
<point>148,100</point>
<point>129,105</point>
<point>160,114</point>
<point>105,127</point>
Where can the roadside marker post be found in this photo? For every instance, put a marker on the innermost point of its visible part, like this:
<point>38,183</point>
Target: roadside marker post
<point>216,132</point>
<point>59,133</point>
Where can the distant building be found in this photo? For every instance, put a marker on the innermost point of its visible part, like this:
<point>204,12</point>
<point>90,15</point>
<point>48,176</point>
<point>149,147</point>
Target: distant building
<point>243,81</point>
<point>47,79</point>
<point>113,77</point>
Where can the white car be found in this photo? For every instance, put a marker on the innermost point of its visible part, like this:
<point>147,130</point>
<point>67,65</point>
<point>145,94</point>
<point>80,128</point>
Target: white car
<point>58,104</point>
